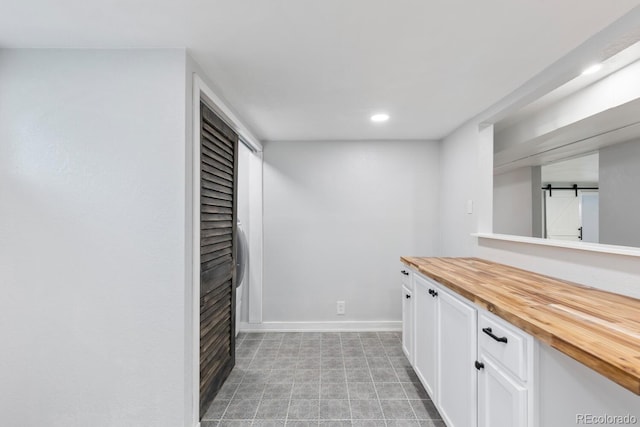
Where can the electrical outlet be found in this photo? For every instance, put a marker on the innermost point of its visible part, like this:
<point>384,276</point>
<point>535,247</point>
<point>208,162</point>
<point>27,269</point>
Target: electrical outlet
<point>340,307</point>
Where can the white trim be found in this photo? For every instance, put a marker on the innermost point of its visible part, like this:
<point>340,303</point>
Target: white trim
<point>195,242</point>
<point>225,113</point>
<point>582,246</point>
<point>255,237</point>
<point>389,325</point>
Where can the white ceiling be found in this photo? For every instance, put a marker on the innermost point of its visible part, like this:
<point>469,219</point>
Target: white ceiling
<point>316,70</point>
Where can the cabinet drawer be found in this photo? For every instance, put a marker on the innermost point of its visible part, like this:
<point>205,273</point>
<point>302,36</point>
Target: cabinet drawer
<point>406,274</point>
<point>504,343</point>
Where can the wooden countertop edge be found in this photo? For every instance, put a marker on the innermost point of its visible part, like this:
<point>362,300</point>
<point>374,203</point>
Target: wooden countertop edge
<point>620,376</point>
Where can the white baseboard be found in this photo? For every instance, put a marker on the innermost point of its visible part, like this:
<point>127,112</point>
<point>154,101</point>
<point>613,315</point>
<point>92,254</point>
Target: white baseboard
<point>344,326</point>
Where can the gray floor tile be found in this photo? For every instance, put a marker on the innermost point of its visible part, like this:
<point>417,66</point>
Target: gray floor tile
<point>331,352</point>
<point>283,354</point>
<point>368,423</point>
<point>268,423</point>
<point>281,376</point>
<point>267,353</point>
<point>374,351</point>
<point>270,344</point>
<point>365,410</point>
<point>277,391</point>
<point>307,375</point>
<point>285,363</point>
<point>399,362</point>
<point>358,375</point>
<point>394,351</point>
<point>379,362</point>
<point>384,375</point>
<point>403,423</point>
<point>352,344</point>
<point>273,409</point>
<point>308,352</point>
<point>274,336</point>
<point>390,391</point>
<point>370,335</point>
<point>235,423</point>
<point>332,363</point>
<point>227,391</point>
<point>250,344</point>
<point>249,391</point>
<point>406,375</point>
<point>242,409</point>
<point>262,363</point>
<point>355,363</point>
<point>236,375</point>
<point>243,362</point>
<point>306,391</point>
<point>253,376</point>
<point>254,336</point>
<point>415,391</point>
<point>287,347</point>
<point>425,410</point>
<point>304,409</point>
<point>397,410</point>
<point>334,409</point>
<point>216,409</point>
<point>362,391</point>
<point>333,376</point>
<point>431,423</point>
<point>333,391</point>
<point>352,352</point>
<point>246,352</point>
<point>309,363</point>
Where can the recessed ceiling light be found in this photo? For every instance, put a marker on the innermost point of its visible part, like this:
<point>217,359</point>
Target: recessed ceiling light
<point>592,69</point>
<point>379,118</point>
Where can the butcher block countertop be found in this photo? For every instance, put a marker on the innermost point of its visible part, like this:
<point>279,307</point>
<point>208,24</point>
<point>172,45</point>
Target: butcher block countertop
<point>597,328</point>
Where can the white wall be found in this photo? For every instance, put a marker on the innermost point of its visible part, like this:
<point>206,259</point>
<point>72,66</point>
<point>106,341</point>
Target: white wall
<point>512,202</point>
<point>337,217</point>
<point>619,195</point>
<point>564,384</point>
<point>466,168</point>
<point>92,218</point>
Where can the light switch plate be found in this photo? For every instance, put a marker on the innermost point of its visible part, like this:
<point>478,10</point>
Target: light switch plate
<point>469,207</point>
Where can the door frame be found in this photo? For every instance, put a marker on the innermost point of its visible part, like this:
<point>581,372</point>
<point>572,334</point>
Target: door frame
<point>202,92</point>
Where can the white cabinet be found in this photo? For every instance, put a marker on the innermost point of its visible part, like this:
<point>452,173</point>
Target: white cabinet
<point>505,374</point>
<point>477,368</point>
<point>408,305</point>
<point>407,323</point>
<point>457,378</point>
<point>426,328</point>
<point>502,401</point>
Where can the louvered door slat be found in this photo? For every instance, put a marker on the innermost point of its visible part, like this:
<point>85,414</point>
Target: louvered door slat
<point>218,182</point>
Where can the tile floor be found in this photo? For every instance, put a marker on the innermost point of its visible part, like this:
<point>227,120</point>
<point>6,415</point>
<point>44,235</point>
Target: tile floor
<point>321,379</point>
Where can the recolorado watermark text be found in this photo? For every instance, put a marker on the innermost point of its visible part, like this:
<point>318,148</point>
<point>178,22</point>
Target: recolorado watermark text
<point>606,419</point>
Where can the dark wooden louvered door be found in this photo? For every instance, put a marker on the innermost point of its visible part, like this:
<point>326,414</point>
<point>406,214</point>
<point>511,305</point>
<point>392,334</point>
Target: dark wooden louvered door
<point>218,165</point>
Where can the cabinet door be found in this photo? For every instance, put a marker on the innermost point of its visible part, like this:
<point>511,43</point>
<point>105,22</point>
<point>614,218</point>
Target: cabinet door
<point>425,327</point>
<point>457,377</point>
<point>407,323</point>
<point>502,401</point>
